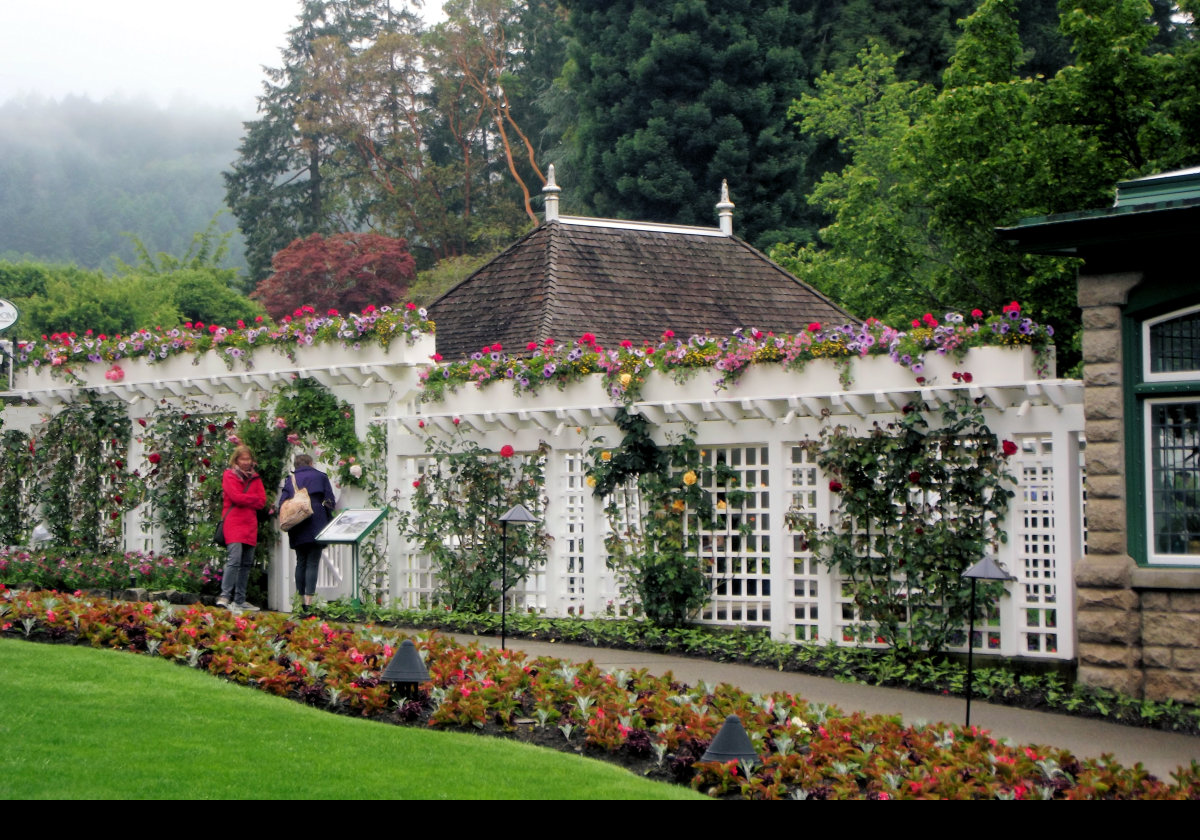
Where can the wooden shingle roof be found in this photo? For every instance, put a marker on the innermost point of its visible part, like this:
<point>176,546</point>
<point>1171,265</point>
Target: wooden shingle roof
<point>622,280</point>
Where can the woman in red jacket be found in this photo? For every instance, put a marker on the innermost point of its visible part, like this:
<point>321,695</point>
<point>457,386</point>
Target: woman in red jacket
<point>244,494</point>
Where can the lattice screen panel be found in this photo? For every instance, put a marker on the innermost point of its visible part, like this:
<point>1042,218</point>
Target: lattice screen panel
<point>735,548</point>
<point>1033,523</point>
<point>802,477</point>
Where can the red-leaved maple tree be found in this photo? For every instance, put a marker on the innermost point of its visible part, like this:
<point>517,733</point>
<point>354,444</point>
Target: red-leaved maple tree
<point>346,272</point>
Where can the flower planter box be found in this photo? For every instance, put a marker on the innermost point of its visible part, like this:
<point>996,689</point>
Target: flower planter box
<point>988,366</point>
<point>190,366</point>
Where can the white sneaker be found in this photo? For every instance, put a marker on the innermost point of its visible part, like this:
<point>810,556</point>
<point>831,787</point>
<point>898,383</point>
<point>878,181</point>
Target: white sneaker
<point>243,607</point>
<point>223,602</point>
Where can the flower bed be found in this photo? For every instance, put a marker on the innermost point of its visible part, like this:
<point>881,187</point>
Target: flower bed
<point>928,352</point>
<point>652,724</point>
<point>134,569</point>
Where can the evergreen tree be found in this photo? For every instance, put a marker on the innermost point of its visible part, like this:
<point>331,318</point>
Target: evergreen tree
<point>675,97</point>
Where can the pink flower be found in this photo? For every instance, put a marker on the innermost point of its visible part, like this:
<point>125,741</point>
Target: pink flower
<point>280,423</point>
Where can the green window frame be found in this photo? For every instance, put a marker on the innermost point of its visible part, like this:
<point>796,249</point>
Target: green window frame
<point>1162,412</point>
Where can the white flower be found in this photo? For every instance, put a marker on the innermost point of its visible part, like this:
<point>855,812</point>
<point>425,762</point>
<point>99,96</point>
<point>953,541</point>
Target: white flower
<point>356,470</point>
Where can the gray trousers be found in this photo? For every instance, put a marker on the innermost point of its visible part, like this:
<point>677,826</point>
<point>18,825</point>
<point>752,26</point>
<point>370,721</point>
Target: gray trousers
<point>237,572</point>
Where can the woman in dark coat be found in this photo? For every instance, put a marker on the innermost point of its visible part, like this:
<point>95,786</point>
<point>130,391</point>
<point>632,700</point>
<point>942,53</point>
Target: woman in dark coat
<point>303,537</point>
<point>243,495</point>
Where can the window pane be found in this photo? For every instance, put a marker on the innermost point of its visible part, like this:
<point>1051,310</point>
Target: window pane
<point>1175,476</point>
<point>1175,344</point>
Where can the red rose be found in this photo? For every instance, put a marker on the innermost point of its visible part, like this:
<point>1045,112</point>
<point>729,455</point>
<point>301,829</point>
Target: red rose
<point>456,421</point>
<point>506,451</point>
<point>967,377</point>
<point>154,458</point>
<point>203,478</point>
<point>835,487</point>
<point>199,440</point>
<point>417,483</point>
<point>142,422</point>
<point>914,477</point>
<point>212,429</point>
<point>1009,448</point>
<point>420,424</point>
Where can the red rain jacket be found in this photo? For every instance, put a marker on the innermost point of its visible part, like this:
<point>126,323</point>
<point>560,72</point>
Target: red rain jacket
<point>242,498</point>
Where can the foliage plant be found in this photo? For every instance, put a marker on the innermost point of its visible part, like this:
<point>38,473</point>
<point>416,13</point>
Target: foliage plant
<point>186,449</point>
<point>455,511</point>
<point>655,503</point>
<point>82,484</point>
<point>915,507</point>
<point>807,750</point>
<point>133,569</point>
<point>18,502</point>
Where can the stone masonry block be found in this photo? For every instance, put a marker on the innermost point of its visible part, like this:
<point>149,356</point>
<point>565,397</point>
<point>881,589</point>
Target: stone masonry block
<point>1173,685</point>
<point>1171,629</point>
<point>1102,374</point>
<point>1106,459</point>
<point>1156,601</point>
<point>1108,627</point>
<point>1101,318</point>
<point>1102,404</point>
<point>1106,543</point>
<point>1117,599</point>
<point>1105,487</point>
<point>1185,602</point>
<point>1156,657</point>
<point>1124,680</point>
<point>1106,431</point>
<point>1101,346</point>
<point>1110,572</point>
<point>1106,289</point>
<point>1109,656</point>
<point>1186,659</point>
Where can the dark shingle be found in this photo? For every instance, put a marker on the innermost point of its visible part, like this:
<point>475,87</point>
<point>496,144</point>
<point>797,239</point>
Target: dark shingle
<point>622,280</point>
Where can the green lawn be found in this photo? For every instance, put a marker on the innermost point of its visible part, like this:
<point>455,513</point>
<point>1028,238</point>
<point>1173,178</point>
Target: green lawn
<point>77,723</point>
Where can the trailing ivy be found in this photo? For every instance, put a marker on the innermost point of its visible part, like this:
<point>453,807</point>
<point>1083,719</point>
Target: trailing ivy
<point>17,499</point>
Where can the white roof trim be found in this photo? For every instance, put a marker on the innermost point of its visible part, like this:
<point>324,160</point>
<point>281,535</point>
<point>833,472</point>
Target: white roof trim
<point>654,227</point>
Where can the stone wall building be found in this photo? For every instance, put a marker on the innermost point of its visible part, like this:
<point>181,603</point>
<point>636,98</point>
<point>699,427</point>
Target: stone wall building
<point>1138,587</point>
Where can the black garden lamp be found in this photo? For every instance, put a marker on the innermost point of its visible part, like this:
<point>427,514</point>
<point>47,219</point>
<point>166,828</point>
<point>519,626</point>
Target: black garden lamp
<point>518,515</point>
<point>406,671</point>
<point>731,744</point>
<point>985,569</point>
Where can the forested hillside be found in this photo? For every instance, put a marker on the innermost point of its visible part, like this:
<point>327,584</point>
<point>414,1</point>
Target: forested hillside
<point>75,175</point>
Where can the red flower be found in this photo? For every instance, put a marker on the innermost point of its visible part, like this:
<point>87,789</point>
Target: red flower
<point>976,314</point>
<point>103,337</point>
<point>368,309</point>
<point>411,307</point>
<point>835,487</point>
<point>814,327</point>
<point>531,345</point>
<point>506,451</point>
<point>114,515</point>
<point>914,477</point>
<point>258,319</point>
<point>203,478</point>
<point>228,424</point>
<point>417,483</point>
<point>668,334</point>
<point>1012,307</point>
<point>333,312</point>
<point>967,377</point>
<point>549,342</point>
<point>627,344</point>
<point>437,357</point>
<point>587,338</point>
<point>153,457</point>
<point>1009,447</point>
<point>457,421</point>
<point>916,323</point>
<point>496,348</point>
<point>420,424</point>
<point>212,328</point>
<point>287,319</point>
<point>212,429</point>
<point>929,320</point>
<point>142,422</point>
<point>308,310</point>
<point>241,324</point>
<point>199,440</point>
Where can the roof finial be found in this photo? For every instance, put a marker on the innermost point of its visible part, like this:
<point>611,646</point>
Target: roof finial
<point>551,192</point>
<point>725,210</point>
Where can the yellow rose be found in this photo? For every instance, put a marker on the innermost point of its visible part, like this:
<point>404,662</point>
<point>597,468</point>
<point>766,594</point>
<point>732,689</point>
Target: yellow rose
<point>626,378</point>
<point>689,478</point>
<point>678,505</point>
<point>606,455</point>
<point>591,481</point>
<point>721,505</point>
